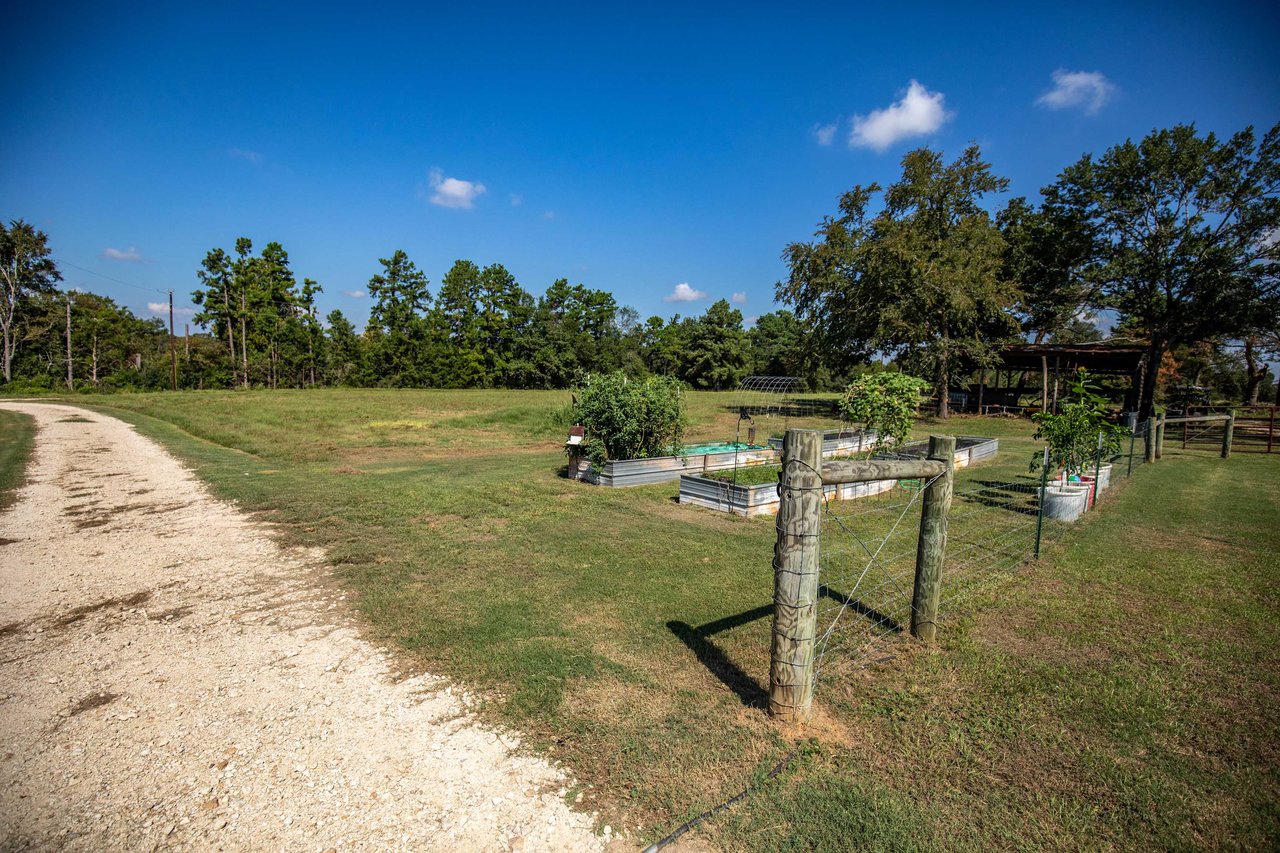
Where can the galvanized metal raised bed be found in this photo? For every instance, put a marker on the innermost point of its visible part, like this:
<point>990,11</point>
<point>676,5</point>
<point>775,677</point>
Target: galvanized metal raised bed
<point>659,469</point>
<point>839,442</point>
<point>970,449</point>
<point>762,499</point>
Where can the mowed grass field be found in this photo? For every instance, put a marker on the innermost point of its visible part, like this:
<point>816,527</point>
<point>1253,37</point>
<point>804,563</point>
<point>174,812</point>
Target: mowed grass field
<point>1123,692</point>
<point>17,437</point>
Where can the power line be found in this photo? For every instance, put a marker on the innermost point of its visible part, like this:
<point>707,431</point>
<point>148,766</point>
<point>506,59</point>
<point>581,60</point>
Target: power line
<point>62,262</point>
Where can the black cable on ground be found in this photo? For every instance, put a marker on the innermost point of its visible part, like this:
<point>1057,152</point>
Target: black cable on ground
<point>782,765</point>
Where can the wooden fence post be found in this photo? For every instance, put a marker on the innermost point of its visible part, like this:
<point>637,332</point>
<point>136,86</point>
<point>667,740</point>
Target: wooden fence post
<point>1228,429</point>
<point>1160,436</point>
<point>795,576</point>
<point>1151,439</point>
<point>932,546</point>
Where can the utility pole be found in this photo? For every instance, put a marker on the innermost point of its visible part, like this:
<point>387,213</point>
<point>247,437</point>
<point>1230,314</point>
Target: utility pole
<point>186,341</point>
<point>173,351</point>
<point>70,380</point>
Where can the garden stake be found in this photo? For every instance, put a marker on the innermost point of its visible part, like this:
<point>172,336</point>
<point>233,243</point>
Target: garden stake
<point>1044,484</point>
<point>1097,472</point>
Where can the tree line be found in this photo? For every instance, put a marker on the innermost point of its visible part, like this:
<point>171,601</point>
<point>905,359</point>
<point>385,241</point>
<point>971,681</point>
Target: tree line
<point>1176,236</point>
<point>479,329</point>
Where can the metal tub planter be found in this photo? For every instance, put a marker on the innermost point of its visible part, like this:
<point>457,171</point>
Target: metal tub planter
<point>762,499</point>
<point>839,442</point>
<point>970,449</point>
<point>659,469</point>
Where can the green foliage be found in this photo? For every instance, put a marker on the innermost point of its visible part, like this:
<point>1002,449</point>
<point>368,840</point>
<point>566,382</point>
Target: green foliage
<point>1073,432</point>
<point>17,439</point>
<point>1182,234</point>
<point>922,279</point>
<point>629,418</point>
<point>26,271</point>
<point>886,402</point>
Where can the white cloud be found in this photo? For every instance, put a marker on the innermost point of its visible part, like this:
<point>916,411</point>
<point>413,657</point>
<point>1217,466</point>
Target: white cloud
<point>740,298</point>
<point>129,254</point>
<point>1090,89</point>
<point>684,293</point>
<point>355,294</point>
<point>548,214</point>
<point>253,157</point>
<point>750,321</point>
<point>825,133</point>
<point>516,199</point>
<point>453,192</point>
<point>161,309</point>
<point>918,113</point>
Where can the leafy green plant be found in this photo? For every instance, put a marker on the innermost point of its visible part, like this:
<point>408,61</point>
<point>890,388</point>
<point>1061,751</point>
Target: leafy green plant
<point>627,418</point>
<point>1072,432</point>
<point>884,402</point>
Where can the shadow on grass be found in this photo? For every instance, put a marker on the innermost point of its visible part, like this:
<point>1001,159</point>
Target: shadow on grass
<point>1019,497</point>
<point>880,620</point>
<point>748,689</point>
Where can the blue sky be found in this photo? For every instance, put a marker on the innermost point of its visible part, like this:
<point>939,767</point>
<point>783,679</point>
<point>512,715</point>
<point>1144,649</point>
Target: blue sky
<point>633,150</point>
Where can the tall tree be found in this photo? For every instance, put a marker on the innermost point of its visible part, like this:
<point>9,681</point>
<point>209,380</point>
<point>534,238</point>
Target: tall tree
<point>1182,229</point>
<point>717,349</point>
<point>215,301</point>
<point>342,351</point>
<point>1047,256</point>
<point>921,280</point>
<point>400,301</point>
<point>25,270</point>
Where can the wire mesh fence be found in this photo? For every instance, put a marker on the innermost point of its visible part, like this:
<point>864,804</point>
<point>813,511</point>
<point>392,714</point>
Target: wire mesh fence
<point>868,552</point>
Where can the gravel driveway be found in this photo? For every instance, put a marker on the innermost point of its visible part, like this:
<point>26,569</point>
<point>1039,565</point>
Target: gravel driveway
<point>171,678</point>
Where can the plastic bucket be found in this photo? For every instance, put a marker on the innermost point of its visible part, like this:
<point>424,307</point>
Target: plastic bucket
<point>1064,503</point>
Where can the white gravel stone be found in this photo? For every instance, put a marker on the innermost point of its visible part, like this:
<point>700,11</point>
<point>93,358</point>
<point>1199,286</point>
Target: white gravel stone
<point>174,678</point>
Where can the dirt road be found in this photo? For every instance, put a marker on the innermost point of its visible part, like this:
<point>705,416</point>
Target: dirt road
<point>170,678</point>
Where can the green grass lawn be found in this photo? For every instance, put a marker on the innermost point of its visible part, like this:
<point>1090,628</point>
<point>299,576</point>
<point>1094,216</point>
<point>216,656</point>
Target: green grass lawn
<point>1120,693</point>
<point>17,436</point>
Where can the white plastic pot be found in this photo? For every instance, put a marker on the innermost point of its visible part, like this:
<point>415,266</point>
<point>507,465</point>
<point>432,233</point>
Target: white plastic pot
<point>1104,477</point>
<point>1065,503</point>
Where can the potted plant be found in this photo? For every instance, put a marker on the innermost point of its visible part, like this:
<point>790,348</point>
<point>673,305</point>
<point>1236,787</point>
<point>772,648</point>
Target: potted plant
<point>1075,435</point>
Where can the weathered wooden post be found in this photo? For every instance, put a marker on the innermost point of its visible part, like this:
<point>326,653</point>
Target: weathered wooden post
<point>1228,429</point>
<point>1160,436</point>
<point>1151,439</point>
<point>795,576</point>
<point>933,541</point>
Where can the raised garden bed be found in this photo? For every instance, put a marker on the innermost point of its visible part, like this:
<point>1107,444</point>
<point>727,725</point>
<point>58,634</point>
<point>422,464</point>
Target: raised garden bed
<point>750,496</point>
<point>839,442</point>
<point>970,449</point>
<point>693,459</point>
<point>763,498</point>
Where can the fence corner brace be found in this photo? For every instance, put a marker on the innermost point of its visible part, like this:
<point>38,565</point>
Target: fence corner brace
<point>795,577</point>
